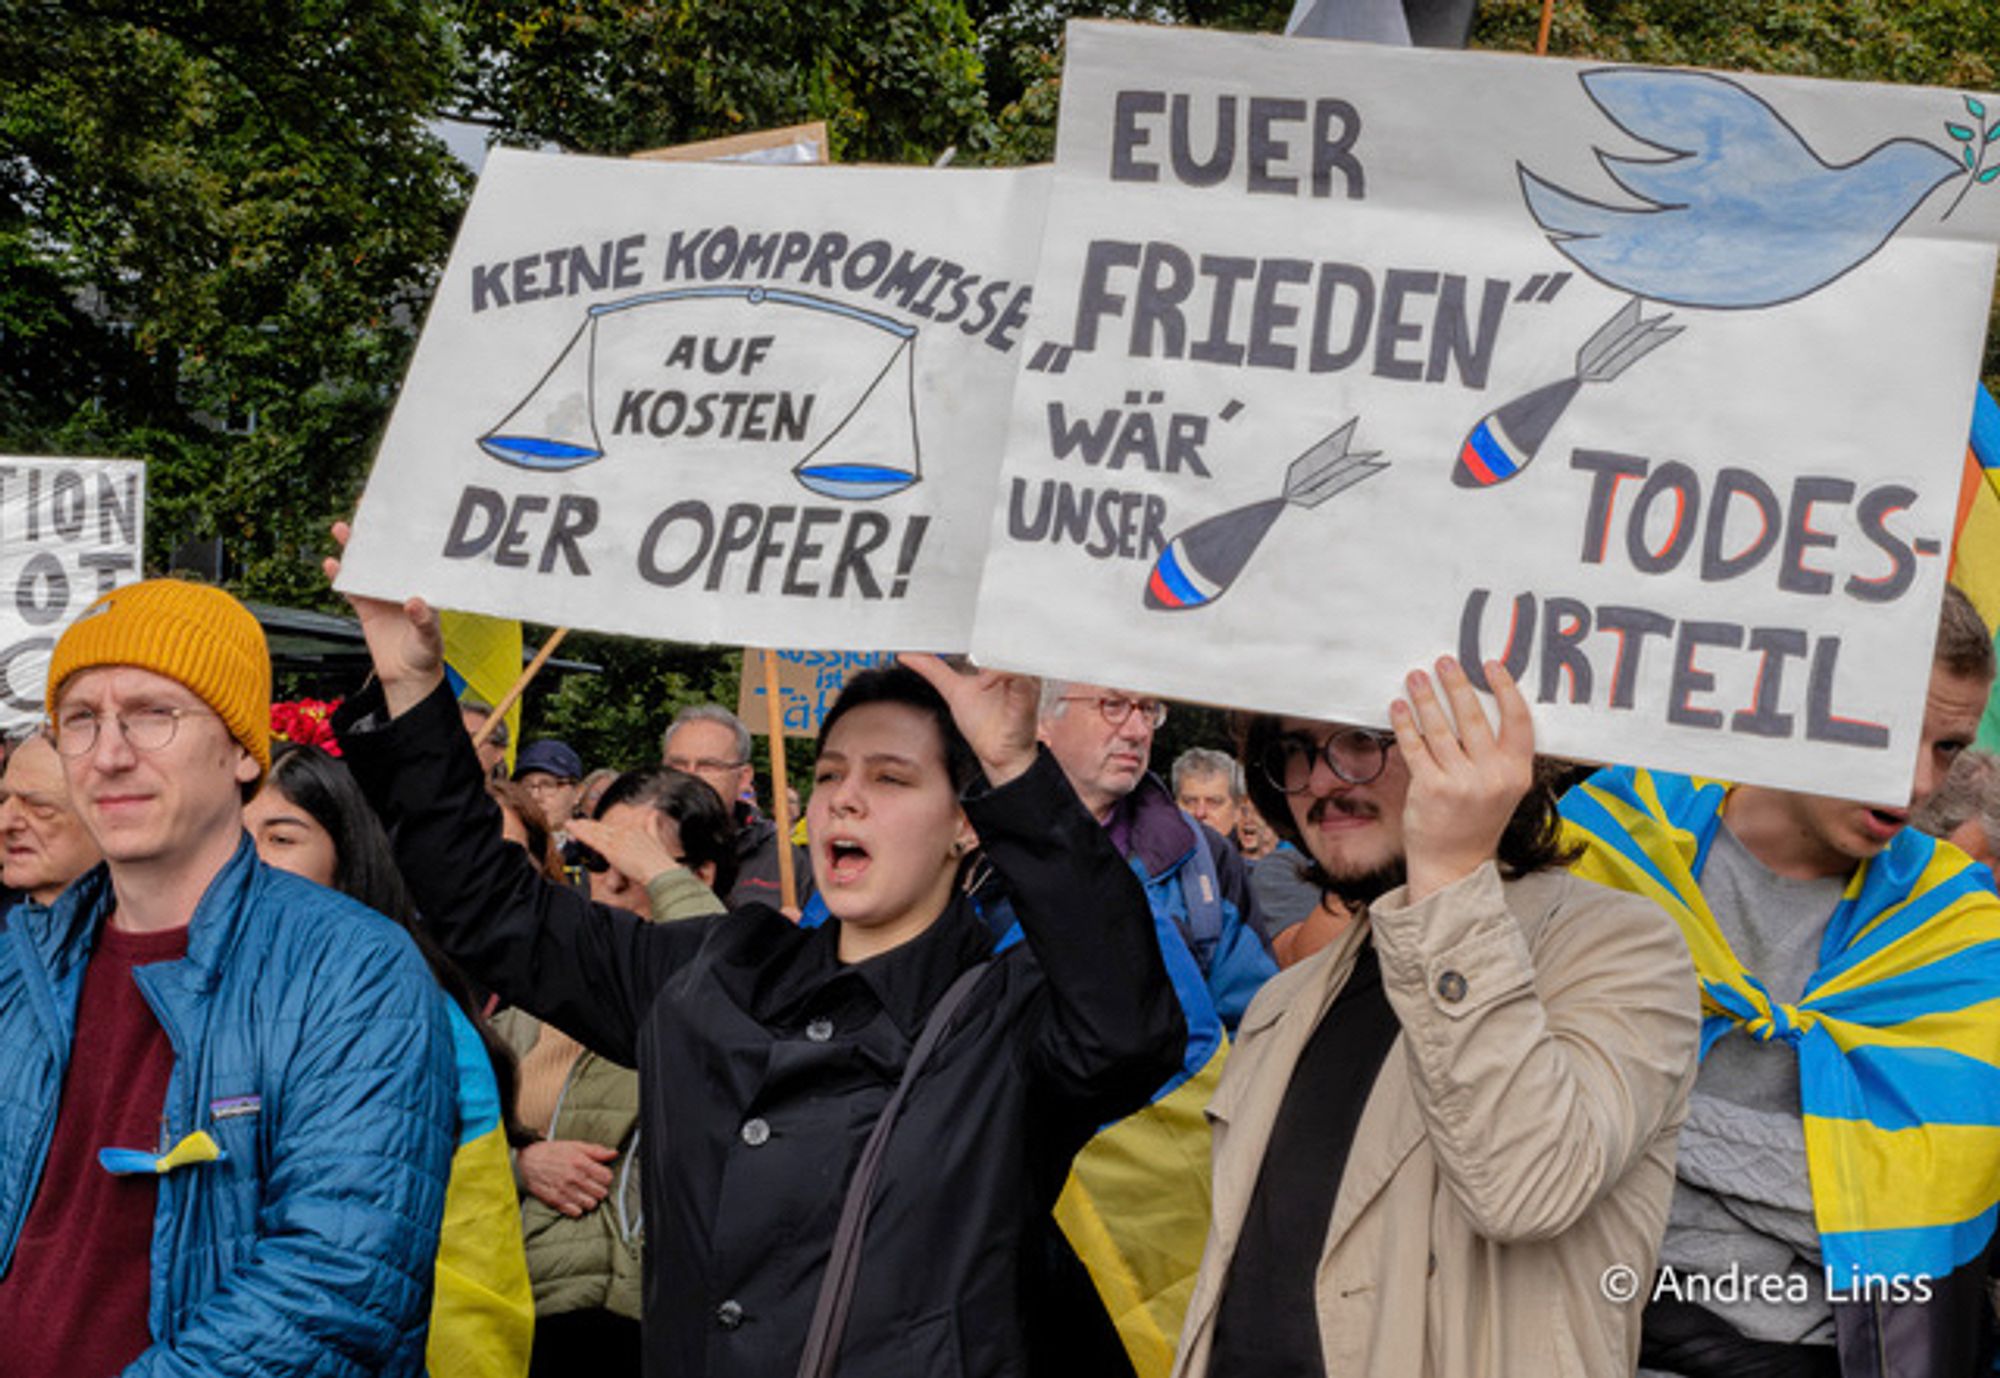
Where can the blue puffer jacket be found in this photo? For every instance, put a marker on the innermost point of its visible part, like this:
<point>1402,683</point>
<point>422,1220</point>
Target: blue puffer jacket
<point>309,1042</point>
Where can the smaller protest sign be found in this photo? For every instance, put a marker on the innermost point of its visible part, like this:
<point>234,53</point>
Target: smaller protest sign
<point>710,402</point>
<point>70,529</point>
<point>808,683</point>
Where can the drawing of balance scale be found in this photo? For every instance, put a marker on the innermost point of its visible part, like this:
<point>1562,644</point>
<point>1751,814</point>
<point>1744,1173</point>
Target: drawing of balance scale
<point>850,376</point>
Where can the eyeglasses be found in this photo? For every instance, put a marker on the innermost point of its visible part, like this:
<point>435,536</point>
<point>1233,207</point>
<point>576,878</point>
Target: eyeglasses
<point>1117,707</point>
<point>695,765</point>
<point>144,729</point>
<point>539,783</point>
<point>1354,754</point>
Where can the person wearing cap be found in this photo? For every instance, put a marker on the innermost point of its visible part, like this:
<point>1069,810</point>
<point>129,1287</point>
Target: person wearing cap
<point>226,1108</point>
<point>552,772</point>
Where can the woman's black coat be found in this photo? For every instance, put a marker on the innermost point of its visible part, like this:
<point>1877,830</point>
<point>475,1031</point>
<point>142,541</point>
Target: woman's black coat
<point>763,1062</point>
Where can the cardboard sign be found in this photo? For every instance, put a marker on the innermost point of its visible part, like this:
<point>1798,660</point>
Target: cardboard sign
<point>1652,383</point>
<point>710,402</point>
<point>70,529</point>
<point>808,683</point>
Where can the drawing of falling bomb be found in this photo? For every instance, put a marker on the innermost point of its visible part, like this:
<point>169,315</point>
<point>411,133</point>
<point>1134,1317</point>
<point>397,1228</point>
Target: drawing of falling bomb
<point>1200,564</point>
<point>1505,441</point>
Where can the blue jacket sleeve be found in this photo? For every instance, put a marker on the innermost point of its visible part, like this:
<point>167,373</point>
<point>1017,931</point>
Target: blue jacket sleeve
<point>362,1124</point>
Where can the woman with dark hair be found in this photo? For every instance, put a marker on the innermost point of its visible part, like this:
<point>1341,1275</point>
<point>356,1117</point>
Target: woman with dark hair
<point>311,819</point>
<point>661,846</point>
<point>855,1133</point>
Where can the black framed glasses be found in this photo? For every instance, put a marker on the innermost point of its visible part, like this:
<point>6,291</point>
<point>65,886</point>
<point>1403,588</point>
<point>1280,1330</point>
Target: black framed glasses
<point>1116,708</point>
<point>1354,754</point>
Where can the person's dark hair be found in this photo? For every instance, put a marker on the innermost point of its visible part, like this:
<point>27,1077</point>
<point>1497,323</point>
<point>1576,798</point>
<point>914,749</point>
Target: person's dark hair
<point>514,797</point>
<point>708,833</point>
<point>1533,840</point>
<point>1964,646</point>
<point>899,684</point>
<point>364,869</point>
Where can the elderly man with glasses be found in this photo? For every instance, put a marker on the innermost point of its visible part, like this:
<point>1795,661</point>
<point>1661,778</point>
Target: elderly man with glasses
<point>1103,739</point>
<point>708,741</point>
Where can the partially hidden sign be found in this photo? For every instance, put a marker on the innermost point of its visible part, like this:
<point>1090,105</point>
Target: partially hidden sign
<point>1652,383</point>
<point>70,529</point>
<point>808,683</point>
<point>710,403</point>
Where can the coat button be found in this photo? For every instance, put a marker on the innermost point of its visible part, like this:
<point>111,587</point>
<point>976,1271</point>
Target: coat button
<point>820,1030</point>
<point>756,1133</point>
<point>1451,988</point>
<point>729,1315</point>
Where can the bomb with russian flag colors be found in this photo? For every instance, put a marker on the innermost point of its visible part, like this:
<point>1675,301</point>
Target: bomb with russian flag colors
<point>1506,441</point>
<point>1200,564</point>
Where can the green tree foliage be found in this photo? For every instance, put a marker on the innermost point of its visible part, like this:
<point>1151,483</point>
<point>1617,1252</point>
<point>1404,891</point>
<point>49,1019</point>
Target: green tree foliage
<point>218,226</point>
<point>895,82</point>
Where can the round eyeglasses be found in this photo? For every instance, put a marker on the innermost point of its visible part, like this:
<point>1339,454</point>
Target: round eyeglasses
<point>144,729</point>
<point>1354,754</point>
<point>1116,708</point>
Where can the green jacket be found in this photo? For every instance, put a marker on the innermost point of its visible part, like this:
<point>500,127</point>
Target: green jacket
<point>592,1263</point>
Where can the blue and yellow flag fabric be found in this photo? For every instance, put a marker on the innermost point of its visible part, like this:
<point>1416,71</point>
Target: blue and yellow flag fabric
<point>1975,553</point>
<point>1136,1206</point>
<point>483,1310</point>
<point>482,659</point>
<point>1897,1034</point>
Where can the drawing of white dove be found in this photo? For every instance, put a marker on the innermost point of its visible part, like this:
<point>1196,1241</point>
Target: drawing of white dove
<point>1742,213</point>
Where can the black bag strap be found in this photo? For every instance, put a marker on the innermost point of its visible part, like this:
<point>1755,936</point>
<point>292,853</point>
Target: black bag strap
<point>843,1265</point>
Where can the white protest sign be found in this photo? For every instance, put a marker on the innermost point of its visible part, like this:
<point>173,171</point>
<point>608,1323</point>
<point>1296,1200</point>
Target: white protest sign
<point>1345,357</point>
<point>70,529</point>
<point>710,402</point>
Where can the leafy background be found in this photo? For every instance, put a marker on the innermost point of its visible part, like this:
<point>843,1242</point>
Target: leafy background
<point>221,221</point>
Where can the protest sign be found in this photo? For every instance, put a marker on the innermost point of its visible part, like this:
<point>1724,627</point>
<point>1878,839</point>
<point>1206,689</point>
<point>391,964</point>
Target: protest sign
<point>808,683</point>
<point>1652,383</point>
<point>70,529</point>
<point>709,402</point>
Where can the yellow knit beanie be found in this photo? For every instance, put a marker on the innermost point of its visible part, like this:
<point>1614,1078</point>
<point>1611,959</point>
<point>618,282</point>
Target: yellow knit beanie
<point>195,635</point>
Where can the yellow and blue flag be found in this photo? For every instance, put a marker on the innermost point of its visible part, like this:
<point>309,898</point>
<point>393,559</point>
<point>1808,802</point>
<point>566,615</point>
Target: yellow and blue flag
<point>482,659</point>
<point>1975,553</point>
<point>483,1309</point>
<point>1897,1033</point>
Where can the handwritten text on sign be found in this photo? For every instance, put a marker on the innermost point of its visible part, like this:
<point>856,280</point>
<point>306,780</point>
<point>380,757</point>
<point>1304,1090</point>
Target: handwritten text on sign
<point>1344,357</point>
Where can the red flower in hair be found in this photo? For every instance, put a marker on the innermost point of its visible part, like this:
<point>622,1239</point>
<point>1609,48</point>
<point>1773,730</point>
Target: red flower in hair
<point>307,722</point>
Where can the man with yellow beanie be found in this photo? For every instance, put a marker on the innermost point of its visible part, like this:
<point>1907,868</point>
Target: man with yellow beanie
<point>226,1096</point>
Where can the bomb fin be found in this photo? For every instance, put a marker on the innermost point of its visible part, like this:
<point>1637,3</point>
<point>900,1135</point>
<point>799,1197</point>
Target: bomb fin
<point>1327,467</point>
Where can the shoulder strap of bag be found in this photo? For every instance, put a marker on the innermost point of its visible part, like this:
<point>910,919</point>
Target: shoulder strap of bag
<point>843,1265</point>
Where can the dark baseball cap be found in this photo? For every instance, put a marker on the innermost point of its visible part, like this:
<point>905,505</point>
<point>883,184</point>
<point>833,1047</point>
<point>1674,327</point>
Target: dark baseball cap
<point>551,757</point>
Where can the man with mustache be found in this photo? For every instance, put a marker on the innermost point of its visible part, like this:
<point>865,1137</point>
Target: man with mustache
<point>1444,1143</point>
<point>1843,1139</point>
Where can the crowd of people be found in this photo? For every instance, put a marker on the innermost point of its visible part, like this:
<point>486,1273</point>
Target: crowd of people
<point>1335,1050</point>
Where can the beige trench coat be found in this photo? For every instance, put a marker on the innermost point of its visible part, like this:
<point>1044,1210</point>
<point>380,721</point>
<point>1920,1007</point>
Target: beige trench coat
<point>1516,1155</point>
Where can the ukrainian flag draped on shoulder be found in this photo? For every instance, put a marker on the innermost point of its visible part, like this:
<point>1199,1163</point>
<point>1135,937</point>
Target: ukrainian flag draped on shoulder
<point>1897,1034</point>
